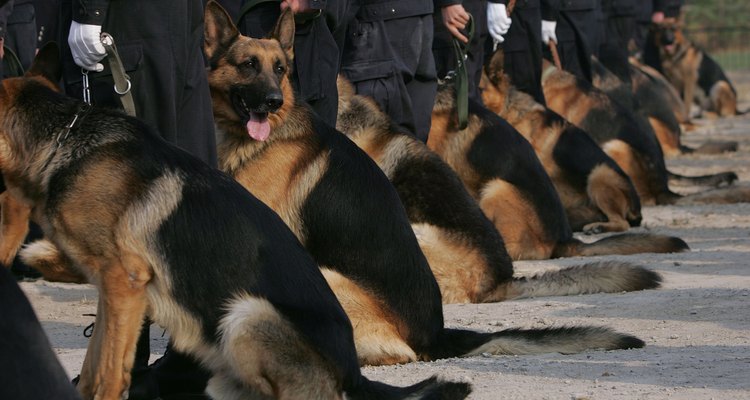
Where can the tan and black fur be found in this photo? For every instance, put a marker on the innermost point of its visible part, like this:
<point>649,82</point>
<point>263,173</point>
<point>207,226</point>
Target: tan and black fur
<point>629,141</point>
<point>653,99</point>
<point>501,171</point>
<point>464,249</point>
<point>160,233</point>
<point>344,210</point>
<point>596,194</point>
<point>696,76</point>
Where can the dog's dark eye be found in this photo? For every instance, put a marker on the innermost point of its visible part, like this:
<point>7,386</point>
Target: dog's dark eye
<point>279,68</point>
<point>251,63</point>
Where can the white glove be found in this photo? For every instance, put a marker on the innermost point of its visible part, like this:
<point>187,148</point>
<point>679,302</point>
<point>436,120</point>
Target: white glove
<point>86,46</point>
<point>548,31</point>
<point>498,21</point>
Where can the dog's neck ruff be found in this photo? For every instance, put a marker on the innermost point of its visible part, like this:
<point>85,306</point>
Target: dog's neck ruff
<point>83,110</point>
<point>548,71</point>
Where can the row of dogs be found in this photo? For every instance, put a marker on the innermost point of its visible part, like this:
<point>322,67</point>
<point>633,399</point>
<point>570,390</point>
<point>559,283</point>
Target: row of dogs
<point>311,252</point>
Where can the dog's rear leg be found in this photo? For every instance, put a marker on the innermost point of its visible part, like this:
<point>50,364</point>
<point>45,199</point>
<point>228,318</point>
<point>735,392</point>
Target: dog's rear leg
<point>376,335</point>
<point>268,358</point>
<point>517,221</point>
<point>607,190</point>
<point>105,374</point>
<point>15,227</point>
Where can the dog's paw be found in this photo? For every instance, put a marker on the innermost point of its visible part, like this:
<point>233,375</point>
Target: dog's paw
<point>593,229</point>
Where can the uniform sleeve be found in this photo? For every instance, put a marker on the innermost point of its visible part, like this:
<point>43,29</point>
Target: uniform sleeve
<point>445,3</point>
<point>659,5</point>
<point>92,12</point>
<point>5,12</point>
<point>550,9</point>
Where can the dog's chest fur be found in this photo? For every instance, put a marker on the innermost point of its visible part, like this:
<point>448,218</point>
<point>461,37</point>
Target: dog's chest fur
<point>281,173</point>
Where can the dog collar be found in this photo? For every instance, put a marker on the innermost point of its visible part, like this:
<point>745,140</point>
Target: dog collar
<point>83,110</point>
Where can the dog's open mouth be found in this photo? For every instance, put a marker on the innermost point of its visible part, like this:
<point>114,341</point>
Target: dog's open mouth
<point>256,123</point>
<point>669,48</point>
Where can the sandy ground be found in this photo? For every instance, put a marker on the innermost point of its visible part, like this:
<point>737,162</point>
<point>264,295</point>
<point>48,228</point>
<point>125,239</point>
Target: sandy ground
<point>697,326</point>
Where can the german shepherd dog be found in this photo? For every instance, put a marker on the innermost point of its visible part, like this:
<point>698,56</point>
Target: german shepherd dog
<point>629,141</point>
<point>596,194</point>
<point>653,98</point>
<point>696,75</point>
<point>160,233</point>
<point>463,247</point>
<point>344,210</point>
<point>501,171</point>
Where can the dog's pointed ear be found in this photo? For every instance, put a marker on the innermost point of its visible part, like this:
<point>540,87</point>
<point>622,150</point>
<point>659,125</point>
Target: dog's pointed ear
<point>47,63</point>
<point>495,66</point>
<point>219,30</point>
<point>284,32</point>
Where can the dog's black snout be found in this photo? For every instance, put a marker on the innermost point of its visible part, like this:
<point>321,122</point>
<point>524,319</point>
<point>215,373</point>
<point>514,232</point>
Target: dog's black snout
<point>274,101</point>
<point>668,37</point>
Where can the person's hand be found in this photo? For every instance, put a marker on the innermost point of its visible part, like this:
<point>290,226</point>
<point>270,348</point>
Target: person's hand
<point>86,46</point>
<point>498,21</point>
<point>2,48</point>
<point>657,17</point>
<point>295,5</point>
<point>455,18</point>
<point>548,31</point>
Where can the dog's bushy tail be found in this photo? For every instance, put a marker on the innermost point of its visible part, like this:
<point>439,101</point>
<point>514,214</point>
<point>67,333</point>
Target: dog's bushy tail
<point>623,244</point>
<point>729,195</point>
<point>711,147</point>
<point>723,178</point>
<point>594,277</point>
<point>432,388</point>
<point>46,258</point>
<point>565,340</point>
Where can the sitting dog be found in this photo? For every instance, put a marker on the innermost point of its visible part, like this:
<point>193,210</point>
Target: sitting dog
<point>158,232</point>
<point>463,247</point>
<point>501,171</point>
<point>630,141</point>
<point>697,76</point>
<point>597,195</point>
<point>344,210</point>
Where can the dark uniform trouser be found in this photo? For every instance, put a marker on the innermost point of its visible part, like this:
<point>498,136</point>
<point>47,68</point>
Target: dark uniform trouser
<point>21,33</point>
<point>573,47</point>
<point>161,49</point>
<point>442,46</point>
<point>613,51</point>
<point>391,61</point>
<point>523,51</point>
<point>30,368</point>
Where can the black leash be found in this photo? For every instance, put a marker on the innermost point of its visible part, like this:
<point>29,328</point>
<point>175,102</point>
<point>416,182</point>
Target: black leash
<point>461,75</point>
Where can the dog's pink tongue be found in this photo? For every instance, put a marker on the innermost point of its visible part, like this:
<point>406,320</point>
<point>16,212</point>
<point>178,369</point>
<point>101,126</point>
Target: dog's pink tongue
<point>258,127</point>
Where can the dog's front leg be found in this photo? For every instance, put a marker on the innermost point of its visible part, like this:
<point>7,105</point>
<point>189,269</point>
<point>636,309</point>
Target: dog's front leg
<point>15,227</point>
<point>122,306</point>
<point>691,80</point>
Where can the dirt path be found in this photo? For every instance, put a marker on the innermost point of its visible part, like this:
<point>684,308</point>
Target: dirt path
<point>697,327</point>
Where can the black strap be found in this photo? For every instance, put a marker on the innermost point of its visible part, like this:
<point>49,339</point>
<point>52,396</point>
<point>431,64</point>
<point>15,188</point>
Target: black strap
<point>14,64</point>
<point>461,75</point>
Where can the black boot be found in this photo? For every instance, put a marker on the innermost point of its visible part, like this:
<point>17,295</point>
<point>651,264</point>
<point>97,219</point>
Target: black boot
<point>180,376</point>
<point>143,386</point>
